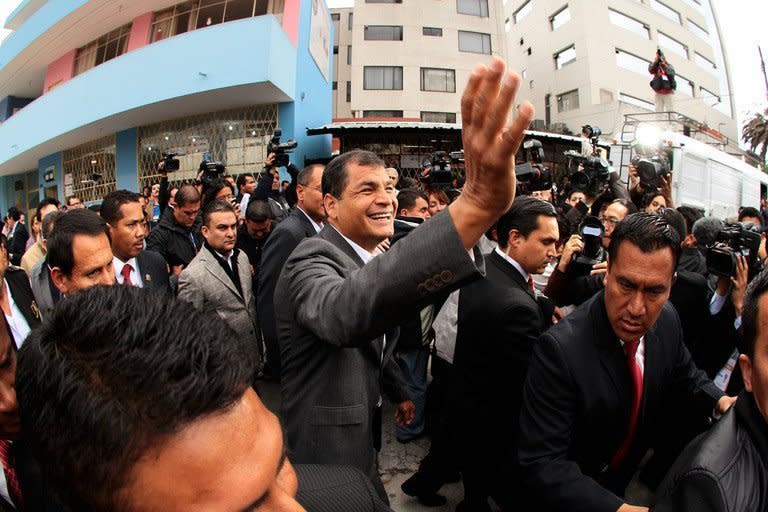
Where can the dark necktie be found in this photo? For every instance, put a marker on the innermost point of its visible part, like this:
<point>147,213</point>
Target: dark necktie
<point>630,350</point>
<point>14,489</point>
<point>126,272</point>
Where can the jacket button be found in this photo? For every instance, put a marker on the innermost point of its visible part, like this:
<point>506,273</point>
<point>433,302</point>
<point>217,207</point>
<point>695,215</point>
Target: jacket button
<point>446,276</point>
<point>422,289</point>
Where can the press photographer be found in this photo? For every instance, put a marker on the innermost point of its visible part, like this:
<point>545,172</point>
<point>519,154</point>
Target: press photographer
<point>663,82</point>
<point>268,186</point>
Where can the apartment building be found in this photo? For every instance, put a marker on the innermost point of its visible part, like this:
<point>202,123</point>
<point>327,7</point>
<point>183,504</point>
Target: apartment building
<point>411,58</point>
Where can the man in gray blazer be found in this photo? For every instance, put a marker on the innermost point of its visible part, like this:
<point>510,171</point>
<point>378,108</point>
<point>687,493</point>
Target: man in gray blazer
<point>46,294</point>
<point>219,277</point>
<point>337,306</point>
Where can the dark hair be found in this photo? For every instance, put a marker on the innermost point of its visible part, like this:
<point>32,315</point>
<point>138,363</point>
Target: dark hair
<point>675,220</point>
<point>110,206</point>
<point>214,188</point>
<point>406,199</point>
<point>705,230</point>
<point>186,194</point>
<point>46,201</point>
<point>216,206</point>
<point>81,221</point>
<point>691,215</point>
<point>14,213</point>
<point>305,175</point>
<point>648,197</point>
<point>241,180</point>
<point>258,211</point>
<point>69,198</point>
<point>648,232</point>
<point>523,216</point>
<point>749,314</point>
<point>112,373</point>
<point>439,193</point>
<point>49,221</point>
<point>336,174</point>
<point>407,182</point>
<point>749,211</point>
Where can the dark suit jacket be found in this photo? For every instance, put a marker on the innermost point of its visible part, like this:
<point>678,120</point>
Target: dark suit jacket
<point>336,489</point>
<point>153,270</point>
<point>37,496</point>
<point>281,243</point>
<point>576,406</point>
<point>17,243</point>
<point>18,283</point>
<point>332,315</point>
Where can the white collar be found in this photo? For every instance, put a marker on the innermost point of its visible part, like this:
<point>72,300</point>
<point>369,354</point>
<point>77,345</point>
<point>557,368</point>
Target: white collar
<point>511,261</point>
<point>315,225</point>
<point>118,264</point>
<point>364,255</point>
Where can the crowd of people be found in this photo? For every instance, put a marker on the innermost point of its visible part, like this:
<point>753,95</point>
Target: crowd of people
<point>554,346</point>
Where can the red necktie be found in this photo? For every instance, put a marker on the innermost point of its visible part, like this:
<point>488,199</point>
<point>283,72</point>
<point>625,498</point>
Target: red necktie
<point>630,349</point>
<point>127,274</point>
<point>14,490</point>
<point>530,285</point>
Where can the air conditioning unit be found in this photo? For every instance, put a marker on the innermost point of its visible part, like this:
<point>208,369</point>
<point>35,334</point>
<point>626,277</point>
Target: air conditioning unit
<point>539,125</point>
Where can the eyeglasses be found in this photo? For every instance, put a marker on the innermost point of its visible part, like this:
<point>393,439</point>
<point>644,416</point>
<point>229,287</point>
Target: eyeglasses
<point>609,220</point>
<point>319,189</point>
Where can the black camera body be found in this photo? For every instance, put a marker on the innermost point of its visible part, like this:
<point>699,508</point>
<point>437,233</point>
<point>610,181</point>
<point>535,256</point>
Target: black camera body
<point>171,163</point>
<point>591,231</point>
<point>532,171</point>
<point>733,240</point>
<point>441,166</point>
<point>595,172</point>
<point>281,149</point>
<point>651,170</point>
<point>211,170</point>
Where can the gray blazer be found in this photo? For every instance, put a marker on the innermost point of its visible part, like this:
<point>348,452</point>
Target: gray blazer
<point>332,315</point>
<point>39,279</point>
<point>205,285</point>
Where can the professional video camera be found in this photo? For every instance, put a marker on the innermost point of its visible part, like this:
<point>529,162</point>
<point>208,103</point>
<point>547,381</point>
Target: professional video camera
<point>651,170</point>
<point>211,170</point>
<point>440,168</point>
<point>281,150</point>
<point>170,162</point>
<point>591,231</point>
<point>532,171</point>
<point>732,240</point>
<point>594,173</point>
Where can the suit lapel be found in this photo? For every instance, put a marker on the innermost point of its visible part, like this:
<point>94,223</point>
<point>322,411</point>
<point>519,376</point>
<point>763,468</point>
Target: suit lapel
<point>510,271</point>
<point>309,229</point>
<point>651,375</point>
<point>146,277</point>
<point>611,354</point>
<point>213,267</point>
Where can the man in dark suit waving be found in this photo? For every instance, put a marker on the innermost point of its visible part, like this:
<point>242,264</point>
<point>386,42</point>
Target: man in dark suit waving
<point>127,228</point>
<point>337,305</point>
<point>599,380</point>
<point>499,322</point>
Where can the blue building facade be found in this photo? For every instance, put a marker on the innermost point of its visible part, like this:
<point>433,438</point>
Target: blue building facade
<point>93,94</point>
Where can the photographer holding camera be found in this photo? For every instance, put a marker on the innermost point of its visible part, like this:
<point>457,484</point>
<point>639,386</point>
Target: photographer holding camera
<point>663,82</point>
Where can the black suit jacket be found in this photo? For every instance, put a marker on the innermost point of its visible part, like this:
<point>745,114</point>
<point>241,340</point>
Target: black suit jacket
<point>281,243</point>
<point>576,406</point>
<point>37,496</point>
<point>17,243</point>
<point>18,283</point>
<point>153,270</point>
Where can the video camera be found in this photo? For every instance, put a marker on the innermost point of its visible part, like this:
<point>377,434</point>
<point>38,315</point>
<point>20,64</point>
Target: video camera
<point>591,231</point>
<point>281,150</point>
<point>170,162</point>
<point>441,166</point>
<point>734,239</point>
<point>532,171</point>
<point>211,170</point>
<point>594,174</point>
<point>651,170</point>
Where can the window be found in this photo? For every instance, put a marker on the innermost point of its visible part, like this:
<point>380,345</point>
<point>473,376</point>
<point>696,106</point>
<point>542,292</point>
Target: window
<point>383,77</point>
<point>673,45</point>
<point>637,102</point>
<point>349,22</point>
<point>335,16</point>
<point>438,117</point>
<point>101,50</point>
<point>627,23</point>
<point>631,62</point>
<point>382,113</point>
<point>335,49</point>
<point>474,42</point>
<point>560,18</point>
<point>565,57</point>
<point>349,54</point>
<point>698,30</point>
<point>568,101</point>
<point>710,98</point>
<point>684,86</point>
<point>383,33</point>
<point>472,7</point>
<point>349,92</point>
<point>438,80</point>
<point>666,11</point>
<point>704,62</point>
<point>335,86</point>
<point>431,31</point>
<point>523,11</point>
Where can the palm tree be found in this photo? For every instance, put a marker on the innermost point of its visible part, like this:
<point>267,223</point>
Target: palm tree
<point>756,134</point>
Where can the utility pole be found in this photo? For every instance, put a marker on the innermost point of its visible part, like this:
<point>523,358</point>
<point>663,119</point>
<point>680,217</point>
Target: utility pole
<point>762,65</point>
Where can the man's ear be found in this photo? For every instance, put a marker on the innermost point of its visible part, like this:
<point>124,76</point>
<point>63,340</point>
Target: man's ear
<point>745,363</point>
<point>59,280</point>
<point>204,231</point>
<point>330,203</point>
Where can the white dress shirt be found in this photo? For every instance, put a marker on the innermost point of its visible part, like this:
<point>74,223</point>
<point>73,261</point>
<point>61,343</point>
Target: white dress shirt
<point>16,321</point>
<point>135,276</point>
<point>318,227</point>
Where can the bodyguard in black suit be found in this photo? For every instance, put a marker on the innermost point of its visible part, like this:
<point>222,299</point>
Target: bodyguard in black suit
<point>599,379</point>
<point>127,230</point>
<point>499,322</point>
<point>303,222</point>
<point>17,237</point>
